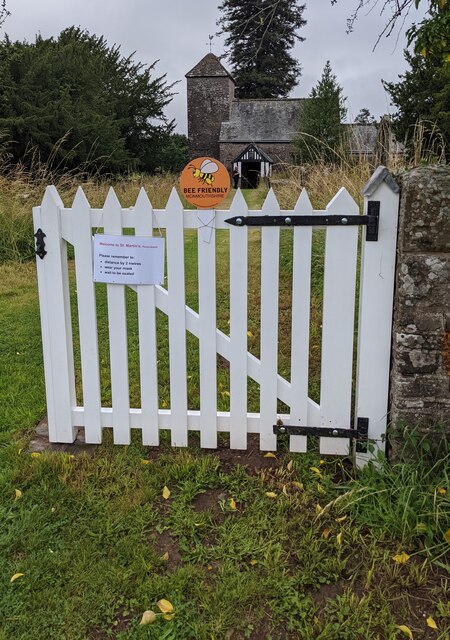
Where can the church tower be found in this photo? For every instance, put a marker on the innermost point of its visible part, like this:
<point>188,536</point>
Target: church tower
<point>210,91</point>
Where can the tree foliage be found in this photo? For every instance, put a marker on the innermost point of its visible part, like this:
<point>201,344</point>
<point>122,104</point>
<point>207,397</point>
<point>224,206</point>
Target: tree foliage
<point>320,127</point>
<point>423,94</point>
<point>79,102</point>
<point>260,36</point>
<point>364,117</point>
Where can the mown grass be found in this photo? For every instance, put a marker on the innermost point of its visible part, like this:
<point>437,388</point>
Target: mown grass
<point>90,534</point>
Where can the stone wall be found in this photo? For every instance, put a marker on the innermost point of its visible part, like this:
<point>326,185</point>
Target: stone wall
<point>420,389</point>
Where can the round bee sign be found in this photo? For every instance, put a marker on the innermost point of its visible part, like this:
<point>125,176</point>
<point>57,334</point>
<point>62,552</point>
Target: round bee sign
<point>205,182</point>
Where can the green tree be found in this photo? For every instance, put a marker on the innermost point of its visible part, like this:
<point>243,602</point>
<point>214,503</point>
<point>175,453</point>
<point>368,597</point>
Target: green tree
<point>423,94</point>
<point>260,36</point>
<point>78,102</point>
<point>364,117</point>
<point>320,127</point>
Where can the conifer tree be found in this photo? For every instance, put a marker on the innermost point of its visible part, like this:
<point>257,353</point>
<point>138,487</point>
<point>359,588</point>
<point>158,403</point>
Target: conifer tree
<point>259,37</point>
<point>320,126</point>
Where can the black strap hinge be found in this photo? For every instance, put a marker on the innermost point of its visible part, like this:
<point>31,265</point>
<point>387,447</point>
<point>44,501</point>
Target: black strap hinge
<point>40,244</point>
<point>360,434</point>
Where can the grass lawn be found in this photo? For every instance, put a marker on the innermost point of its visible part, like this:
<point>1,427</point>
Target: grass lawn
<point>245,546</point>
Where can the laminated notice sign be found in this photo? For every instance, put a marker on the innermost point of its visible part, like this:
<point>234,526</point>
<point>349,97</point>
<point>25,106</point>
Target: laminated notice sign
<point>128,259</point>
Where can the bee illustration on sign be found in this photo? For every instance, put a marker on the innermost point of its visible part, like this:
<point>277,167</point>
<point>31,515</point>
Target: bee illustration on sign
<point>205,172</point>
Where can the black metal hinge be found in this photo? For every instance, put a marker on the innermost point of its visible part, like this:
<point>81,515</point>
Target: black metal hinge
<point>360,434</point>
<point>370,221</point>
<point>40,244</point>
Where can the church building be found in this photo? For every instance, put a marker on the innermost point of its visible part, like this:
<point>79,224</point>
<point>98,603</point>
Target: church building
<point>254,135</point>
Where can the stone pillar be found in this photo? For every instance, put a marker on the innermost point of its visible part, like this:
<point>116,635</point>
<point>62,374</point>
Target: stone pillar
<point>420,390</point>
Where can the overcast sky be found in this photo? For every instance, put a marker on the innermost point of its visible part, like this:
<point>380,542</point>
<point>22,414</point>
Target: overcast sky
<point>175,32</point>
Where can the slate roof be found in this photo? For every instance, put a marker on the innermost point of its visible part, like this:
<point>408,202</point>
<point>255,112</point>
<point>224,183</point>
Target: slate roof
<point>262,120</point>
<point>362,138</point>
<point>209,67</point>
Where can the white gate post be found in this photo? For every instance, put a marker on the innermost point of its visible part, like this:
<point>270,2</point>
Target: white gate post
<point>56,325</point>
<point>375,311</point>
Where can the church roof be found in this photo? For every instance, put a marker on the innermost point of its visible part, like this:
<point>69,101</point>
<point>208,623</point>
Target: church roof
<point>209,66</point>
<point>262,120</point>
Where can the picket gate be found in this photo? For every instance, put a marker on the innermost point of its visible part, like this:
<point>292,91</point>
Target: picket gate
<point>75,226</point>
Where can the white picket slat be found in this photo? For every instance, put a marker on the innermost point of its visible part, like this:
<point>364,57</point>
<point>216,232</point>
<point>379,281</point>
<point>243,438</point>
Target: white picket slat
<point>238,325</point>
<point>301,294</point>
<point>270,244</point>
<point>177,320</point>
<point>375,315</point>
<point>338,324</point>
<point>118,343</point>
<point>147,333</point>
<point>56,324</point>
<point>87,317</point>
<point>207,323</point>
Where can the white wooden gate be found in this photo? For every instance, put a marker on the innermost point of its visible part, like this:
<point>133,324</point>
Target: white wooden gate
<point>75,225</point>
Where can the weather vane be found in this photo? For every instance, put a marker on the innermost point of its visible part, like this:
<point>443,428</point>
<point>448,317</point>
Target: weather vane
<point>211,38</point>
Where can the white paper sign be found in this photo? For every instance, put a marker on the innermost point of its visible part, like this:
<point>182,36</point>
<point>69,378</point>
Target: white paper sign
<point>128,259</point>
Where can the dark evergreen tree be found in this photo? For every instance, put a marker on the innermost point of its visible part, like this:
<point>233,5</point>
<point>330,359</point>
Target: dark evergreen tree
<point>259,37</point>
<point>320,127</point>
<point>422,95</point>
<point>78,102</point>
<point>364,117</point>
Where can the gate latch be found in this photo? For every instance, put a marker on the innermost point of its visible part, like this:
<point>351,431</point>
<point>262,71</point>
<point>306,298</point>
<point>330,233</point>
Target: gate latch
<point>360,434</point>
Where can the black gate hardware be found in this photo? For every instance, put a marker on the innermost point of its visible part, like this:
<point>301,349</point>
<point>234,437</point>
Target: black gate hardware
<point>360,434</point>
<point>370,221</point>
<point>40,244</point>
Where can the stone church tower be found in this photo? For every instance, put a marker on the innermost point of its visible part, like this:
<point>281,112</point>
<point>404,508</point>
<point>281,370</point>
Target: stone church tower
<point>210,92</point>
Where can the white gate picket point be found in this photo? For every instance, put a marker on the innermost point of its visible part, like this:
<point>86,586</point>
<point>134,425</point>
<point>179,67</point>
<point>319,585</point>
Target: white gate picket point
<point>375,314</point>
<point>177,320</point>
<point>147,333</point>
<point>87,316</point>
<point>270,246</point>
<point>207,324</point>
<point>118,343</point>
<point>238,325</point>
<point>301,295</point>
<point>338,324</point>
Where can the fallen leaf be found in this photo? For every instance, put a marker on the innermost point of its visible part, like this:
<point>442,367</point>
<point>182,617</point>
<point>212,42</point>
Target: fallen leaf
<point>341,519</point>
<point>165,606</point>
<point>298,485</point>
<point>431,623</point>
<point>148,617</point>
<point>401,558</point>
<point>18,494</point>
<point>320,489</point>
<point>35,454</point>
<point>406,630</point>
<point>16,576</point>
<point>271,494</point>
<point>290,464</point>
<point>225,394</point>
<point>168,616</point>
<point>316,471</point>
<point>143,461</point>
<point>166,493</point>
<point>339,538</point>
<point>318,509</point>
<point>447,536</point>
<point>210,567</point>
<point>232,504</point>
<point>249,334</point>
<point>326,533</point>
<point>165,556</point>
<point>285,490</point>
<point>253,562</point>
<point>269,455</point>
<point>442,491</point>
<point>322,462</point>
